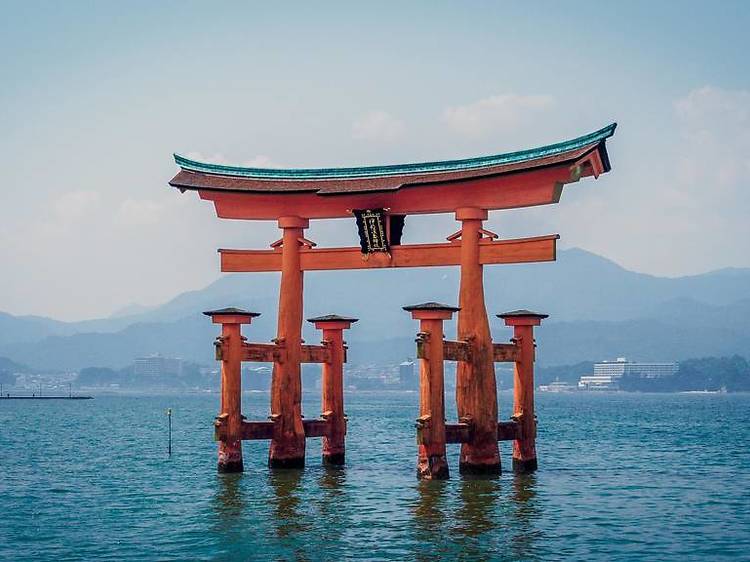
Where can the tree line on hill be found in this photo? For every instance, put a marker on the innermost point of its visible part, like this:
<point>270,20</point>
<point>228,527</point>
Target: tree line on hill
<point>191,377</point>
<point>707,373</point>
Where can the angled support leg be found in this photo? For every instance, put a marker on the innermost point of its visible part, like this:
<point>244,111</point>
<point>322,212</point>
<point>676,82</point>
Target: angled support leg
<point>476,390</point>
<point>288,443</point>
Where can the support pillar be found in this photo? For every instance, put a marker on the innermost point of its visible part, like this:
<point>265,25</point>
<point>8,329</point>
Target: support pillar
<point>431,461</point>
<point>524,449</point>
<point>288,442</point>
<point>332,400</point>
<point>230,409</point>
<point>476,390</point>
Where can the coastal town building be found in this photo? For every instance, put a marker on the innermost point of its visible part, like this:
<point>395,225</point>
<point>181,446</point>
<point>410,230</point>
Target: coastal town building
<point>157,365</point>
<point>607,374</point>
<point>407,376</point>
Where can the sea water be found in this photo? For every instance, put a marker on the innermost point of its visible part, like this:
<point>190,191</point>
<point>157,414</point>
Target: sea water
<point>621,477</point>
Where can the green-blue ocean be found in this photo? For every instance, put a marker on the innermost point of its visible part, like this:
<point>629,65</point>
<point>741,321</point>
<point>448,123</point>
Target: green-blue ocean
<point>621,477</point>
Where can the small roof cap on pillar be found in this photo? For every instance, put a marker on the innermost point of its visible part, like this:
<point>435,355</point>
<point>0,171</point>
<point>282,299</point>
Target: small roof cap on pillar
<point>231,315</point>
<point>332,322</point>
<point>522,313</point>
<point>431,311</point>
<point>231,311</point>
<point>431,306</point>
<point>522,318</point>
<point>332,318</point>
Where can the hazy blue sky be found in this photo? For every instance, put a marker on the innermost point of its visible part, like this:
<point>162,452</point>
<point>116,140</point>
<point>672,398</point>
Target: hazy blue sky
<point>95,97</point>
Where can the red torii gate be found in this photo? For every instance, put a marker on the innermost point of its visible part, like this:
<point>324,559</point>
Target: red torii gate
<point>469,188</point>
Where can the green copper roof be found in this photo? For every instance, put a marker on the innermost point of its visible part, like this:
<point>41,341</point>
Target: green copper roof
<point>398,169</point>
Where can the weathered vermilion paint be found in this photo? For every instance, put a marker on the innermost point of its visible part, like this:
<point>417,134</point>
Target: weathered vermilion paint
<point>230,409</point>
<point>537,187</point>
<point>522,250</point>
<point>468,187</point>
<point>230,450</point>
<point>476,391</point>
<point>288,443</point>
<point>431,460</point>
<point>332,387</point>
<point>582,156</point>
<point>524,449</point>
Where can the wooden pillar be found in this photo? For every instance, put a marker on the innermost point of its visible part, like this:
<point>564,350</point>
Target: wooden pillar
<point>431,461</point>
<point>332,401</point>
<point>476,390</point>
<point>230,409</point>
<point>288,442</point>
<point>524,449</point>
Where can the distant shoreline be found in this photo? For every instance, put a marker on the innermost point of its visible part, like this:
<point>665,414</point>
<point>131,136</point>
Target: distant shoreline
<point>46,397</point>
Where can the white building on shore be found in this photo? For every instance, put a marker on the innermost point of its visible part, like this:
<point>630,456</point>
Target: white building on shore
<point>607,374</point>
<point>157,365</point>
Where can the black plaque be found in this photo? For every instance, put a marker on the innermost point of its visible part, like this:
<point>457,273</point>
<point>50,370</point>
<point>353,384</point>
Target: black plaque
<point>372,231</point>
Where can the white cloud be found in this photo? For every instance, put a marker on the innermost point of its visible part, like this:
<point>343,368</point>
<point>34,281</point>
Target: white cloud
<point>378,126</point>
<point>65,214</point>
<point>709,107</point>
<point>676,207</point>
<point>138,212</point>
<point>715,125</point>
<point>261,161</point>
<point>504,112</point>
<point>217,158</point>
<point>74,205</point>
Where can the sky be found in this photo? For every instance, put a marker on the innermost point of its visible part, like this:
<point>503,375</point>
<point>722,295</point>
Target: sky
<point>96,96</point>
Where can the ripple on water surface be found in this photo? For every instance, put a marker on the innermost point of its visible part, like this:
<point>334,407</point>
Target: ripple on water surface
<point>621,477</point>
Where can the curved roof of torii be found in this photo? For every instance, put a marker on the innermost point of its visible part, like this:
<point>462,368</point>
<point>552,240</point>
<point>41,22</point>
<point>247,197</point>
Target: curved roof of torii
<point>349,181</point>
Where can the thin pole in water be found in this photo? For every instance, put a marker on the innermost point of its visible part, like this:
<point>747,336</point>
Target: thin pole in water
<point>70,390</point>
<point>169,417</point>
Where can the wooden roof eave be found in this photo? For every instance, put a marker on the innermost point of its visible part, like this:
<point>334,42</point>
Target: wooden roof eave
<point>503,191</point>
<point>519,183</point>
<point>195,181</point>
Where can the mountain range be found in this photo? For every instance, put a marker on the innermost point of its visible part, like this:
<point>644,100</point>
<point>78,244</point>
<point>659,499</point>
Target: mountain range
<point>597,310</point>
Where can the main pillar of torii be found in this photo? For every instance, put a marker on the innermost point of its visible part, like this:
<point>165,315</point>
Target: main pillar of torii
<point>380,197</point>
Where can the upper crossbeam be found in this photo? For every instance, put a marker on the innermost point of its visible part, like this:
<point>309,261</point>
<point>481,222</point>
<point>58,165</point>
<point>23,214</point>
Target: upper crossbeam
<point>521,250</point>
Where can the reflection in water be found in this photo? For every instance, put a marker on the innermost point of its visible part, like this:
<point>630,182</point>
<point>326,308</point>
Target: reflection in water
<point>526,513</point>
<point>333,497</point>
<point>478,499</point>
<point>286,487</point>
<point>229,501</point>
<point>291,524</point>
<point>477,517</point>
<point>430,520</point>
<point>230,506</point>
<point>430,509</point>
<point>332,501</point>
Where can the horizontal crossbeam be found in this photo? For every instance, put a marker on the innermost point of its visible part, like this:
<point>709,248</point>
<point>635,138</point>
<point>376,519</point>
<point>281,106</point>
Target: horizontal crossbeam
<point>316,354</point>
<point>456,350</point>
<point>505,352</point>
<point>457,432</point>
<point>508,431</point>
<point>461,350</point>
<point>261,352</point>
<point>462,432</point>
<point>522,250</point>
<point>271,352</point>
<point>259,430</point>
